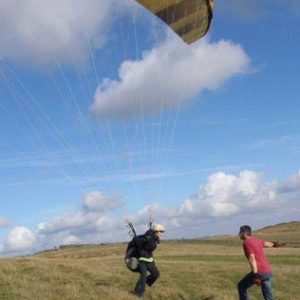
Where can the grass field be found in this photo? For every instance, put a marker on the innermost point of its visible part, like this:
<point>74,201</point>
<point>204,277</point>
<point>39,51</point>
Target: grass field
<point>197,269</point>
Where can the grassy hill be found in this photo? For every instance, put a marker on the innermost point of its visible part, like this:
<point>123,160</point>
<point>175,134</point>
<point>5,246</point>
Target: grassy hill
<point>288,232</point>
<point>190,269</point>
<point>284,232</point>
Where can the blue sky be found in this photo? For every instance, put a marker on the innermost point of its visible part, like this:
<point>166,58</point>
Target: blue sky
<point>105,113</point>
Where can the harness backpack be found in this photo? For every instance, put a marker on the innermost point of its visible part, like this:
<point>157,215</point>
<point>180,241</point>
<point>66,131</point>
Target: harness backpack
<point>132,254</point>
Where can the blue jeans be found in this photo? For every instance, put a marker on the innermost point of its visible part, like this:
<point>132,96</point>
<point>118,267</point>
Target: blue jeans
<point>248,281</point>
<point>144,268</point>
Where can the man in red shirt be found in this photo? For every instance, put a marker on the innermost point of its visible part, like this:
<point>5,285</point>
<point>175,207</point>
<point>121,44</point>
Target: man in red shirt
<point>261,273</point>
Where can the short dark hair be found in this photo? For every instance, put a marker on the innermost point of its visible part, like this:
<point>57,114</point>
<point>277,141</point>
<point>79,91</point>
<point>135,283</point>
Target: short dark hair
<point>246,229</point>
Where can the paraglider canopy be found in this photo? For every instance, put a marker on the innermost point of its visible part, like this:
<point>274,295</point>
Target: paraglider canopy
<point>190,19</point>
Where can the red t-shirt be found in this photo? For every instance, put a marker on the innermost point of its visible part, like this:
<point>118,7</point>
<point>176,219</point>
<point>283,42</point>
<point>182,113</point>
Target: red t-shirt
<point>255,246</point>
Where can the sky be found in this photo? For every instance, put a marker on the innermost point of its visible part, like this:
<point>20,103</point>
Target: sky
<point>106,114</point>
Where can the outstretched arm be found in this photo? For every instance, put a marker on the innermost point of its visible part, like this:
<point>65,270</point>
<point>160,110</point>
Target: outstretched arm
<point>276,244</point>
<point>268,244</point>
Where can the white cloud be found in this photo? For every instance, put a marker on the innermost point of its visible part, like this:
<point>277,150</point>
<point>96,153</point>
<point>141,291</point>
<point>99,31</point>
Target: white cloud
<point>223,198</point>
<point>167,76</point>
<point>224,209</point>
<point>291,188</point>
<point>97,201</point>
<point>19,239</point>
<point>36,31</point>
<point>70,239</point>
<point>221,205</point>
<point>227,194</point>
<point>68,221</point>
<point>87,218</point>
<point>293,183</point>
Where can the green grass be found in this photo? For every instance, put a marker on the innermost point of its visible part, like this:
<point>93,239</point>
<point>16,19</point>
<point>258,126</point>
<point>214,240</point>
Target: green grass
<point>190,270</point>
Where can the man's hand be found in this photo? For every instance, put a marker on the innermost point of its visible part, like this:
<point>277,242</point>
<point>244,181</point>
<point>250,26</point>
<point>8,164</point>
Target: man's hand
<point>278,244</point>
<point>257,279</point>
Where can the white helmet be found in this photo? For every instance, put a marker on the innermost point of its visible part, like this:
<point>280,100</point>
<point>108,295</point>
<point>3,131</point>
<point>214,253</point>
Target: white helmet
<point>158,227</point>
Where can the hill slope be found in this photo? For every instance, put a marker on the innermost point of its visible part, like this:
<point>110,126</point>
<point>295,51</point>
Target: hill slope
<point>284,232</point>
<point>191,269</point>
<point>287,232</point>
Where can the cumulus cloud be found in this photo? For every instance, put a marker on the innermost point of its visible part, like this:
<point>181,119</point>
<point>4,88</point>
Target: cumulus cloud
<point>167,76</point>
<point>294,181</point>
<point>19,239</point>
<point>88,223</point>
<point>48,30</point>
<point>99,202</point>
<point>70,239</point>
<point>90,215</point>
<point>68,221</point>
<point>223,203</point>
<point>227,194</point>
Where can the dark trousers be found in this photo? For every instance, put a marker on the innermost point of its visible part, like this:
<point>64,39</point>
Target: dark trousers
<point>144,268</point>
<point>248,281</point>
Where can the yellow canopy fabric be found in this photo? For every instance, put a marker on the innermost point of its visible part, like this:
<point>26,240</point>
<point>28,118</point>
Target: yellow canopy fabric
<point>190,19</point>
